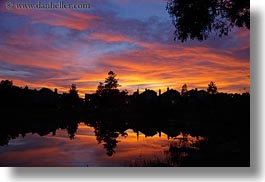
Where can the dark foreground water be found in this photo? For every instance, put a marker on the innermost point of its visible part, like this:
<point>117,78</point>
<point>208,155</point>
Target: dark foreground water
<point>51,138</point>
<point>89,147</point>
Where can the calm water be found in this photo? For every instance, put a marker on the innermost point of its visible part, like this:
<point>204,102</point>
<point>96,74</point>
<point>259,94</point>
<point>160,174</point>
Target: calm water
<point>89,148</point>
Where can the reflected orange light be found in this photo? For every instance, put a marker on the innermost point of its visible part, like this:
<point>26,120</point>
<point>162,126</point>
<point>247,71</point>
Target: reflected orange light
<point>84,150</point>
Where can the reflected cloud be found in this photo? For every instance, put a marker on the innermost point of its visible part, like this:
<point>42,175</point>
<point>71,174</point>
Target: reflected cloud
<point>84,150</point>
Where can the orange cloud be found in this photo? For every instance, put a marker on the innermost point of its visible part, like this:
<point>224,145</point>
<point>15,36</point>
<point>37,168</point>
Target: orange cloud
<point>42,58</point>
<point>164,66</point>
<point>151,65</point>
<point>110,37</point>
<point>114,38</point>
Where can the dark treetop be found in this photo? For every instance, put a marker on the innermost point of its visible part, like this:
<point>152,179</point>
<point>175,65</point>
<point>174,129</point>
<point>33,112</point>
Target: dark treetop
<point>197,19</point>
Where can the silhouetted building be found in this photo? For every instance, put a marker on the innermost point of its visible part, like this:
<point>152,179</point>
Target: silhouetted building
<point>170,97</point>
<point>149,97</point>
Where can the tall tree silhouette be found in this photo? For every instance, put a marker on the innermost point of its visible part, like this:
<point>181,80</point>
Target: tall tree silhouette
<point>108,92</point>
<point>184,89</point>
<point>73,91</point>
<point>197,19</point>
<point>110,85</point>
<point>73,97</point>
<point>100,88</point>
<point>111,82</point>
<point>212,88</point>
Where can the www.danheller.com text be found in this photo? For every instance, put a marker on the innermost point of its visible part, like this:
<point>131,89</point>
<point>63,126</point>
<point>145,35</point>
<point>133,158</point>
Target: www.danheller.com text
<point>47,5</point>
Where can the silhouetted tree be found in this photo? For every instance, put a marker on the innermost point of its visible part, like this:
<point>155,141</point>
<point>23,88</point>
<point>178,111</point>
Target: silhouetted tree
<point>100,88</point>
<point>71,99</point>
<point>6,83</point>
<point>110,85</point>
<point>202,115</point>
<point>197,19</point>
<point>73,90</point>
<point>184,89</point>
<point>212,88</point>
<point>124,92</point>
<point>109,96</point>
<point>111,82</point>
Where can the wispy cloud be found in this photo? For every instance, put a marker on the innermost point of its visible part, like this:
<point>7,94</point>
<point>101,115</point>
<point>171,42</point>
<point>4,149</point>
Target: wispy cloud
<point>62,18</point>
<point>57,48</point>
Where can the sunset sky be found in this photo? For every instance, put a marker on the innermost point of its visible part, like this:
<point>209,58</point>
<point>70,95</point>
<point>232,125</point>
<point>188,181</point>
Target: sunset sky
<point>55,48</point>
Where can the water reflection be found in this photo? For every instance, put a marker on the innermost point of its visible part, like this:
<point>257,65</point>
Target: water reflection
<point>60,139</point>
<point>86,145</point>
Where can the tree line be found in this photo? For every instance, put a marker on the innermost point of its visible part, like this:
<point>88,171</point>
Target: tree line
<point>223,117</point>
<point>109,97</point>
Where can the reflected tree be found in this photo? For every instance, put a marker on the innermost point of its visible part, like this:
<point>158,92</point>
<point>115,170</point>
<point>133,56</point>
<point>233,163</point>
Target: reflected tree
<point>72,129</point>
<point>197,19</point>
<point>4,138</point>
<point>104,134</point>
